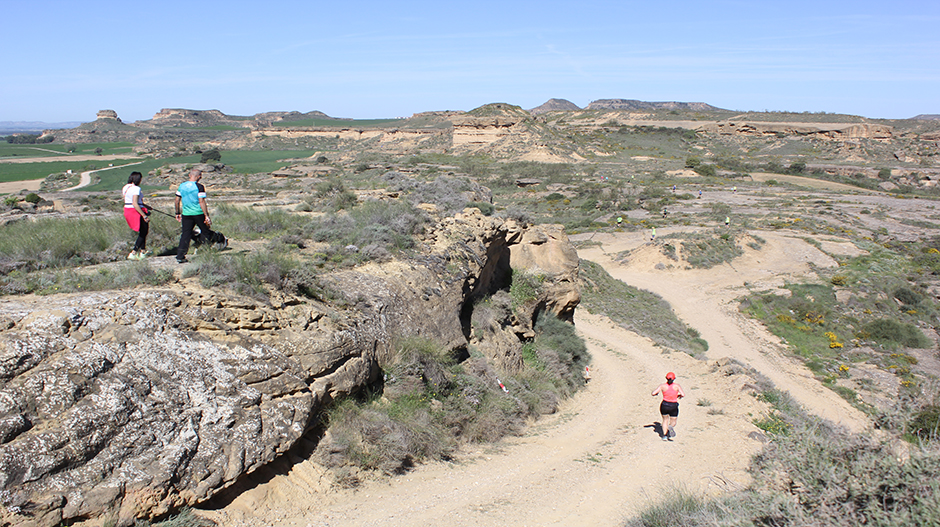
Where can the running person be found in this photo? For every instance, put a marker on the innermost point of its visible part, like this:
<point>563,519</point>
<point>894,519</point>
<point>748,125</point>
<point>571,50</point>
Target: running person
<point>669,408</point>
<point>138,217</point>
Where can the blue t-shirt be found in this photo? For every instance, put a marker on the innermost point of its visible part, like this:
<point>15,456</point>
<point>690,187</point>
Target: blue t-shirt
<point>190,193</point>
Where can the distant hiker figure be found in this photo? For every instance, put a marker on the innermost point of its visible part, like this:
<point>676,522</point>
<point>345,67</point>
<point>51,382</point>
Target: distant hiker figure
<point>734,190</point>
<point>673,188</point>
<point>727,220</point>
<point>653,236</point>
<point>669,408</point>
<point>665,212</point>
<point>619,221</point>
<point>136,215</point>
<point>700,194</point>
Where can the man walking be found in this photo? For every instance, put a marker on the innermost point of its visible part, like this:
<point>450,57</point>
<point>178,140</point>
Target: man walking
<point>191,211</point>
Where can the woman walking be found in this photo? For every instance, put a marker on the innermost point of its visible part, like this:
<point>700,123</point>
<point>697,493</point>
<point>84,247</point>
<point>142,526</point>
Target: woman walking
<point>669,408</point>
<point>136,215</point>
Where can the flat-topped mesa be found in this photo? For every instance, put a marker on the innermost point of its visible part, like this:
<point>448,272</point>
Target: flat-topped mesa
<point>189,116</point>
<point>634,105</point>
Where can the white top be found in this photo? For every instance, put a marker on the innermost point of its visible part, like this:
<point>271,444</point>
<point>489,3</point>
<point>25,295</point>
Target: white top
<point>130,191</point>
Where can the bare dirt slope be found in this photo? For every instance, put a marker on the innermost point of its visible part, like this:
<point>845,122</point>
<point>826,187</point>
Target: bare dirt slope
<point>600,458</point>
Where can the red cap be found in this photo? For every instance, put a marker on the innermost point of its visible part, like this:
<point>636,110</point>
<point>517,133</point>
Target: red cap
<point>671,376</point>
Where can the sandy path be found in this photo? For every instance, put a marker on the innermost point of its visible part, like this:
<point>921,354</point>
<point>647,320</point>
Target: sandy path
<point>86,176</point>
<point>706,300</point>
<point>599,458</point>
<point>592,463</point>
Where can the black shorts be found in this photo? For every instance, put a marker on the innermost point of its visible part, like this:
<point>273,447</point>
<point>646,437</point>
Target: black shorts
<point>670,409</point>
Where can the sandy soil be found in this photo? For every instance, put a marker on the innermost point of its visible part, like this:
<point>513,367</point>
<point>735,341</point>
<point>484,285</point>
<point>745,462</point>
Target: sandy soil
<point>600,458</point>
<point>15,186</point>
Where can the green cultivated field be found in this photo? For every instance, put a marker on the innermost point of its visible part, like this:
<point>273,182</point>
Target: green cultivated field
<point>27,171</point>
<point>8,150</point>
<point>244,162</point>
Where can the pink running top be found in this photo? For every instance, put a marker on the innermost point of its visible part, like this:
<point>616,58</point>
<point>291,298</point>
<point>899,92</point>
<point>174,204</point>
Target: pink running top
<point>670,394</point>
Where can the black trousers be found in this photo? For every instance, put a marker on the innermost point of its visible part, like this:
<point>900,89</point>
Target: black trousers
<point>141,243</point>
<point>187,224</point>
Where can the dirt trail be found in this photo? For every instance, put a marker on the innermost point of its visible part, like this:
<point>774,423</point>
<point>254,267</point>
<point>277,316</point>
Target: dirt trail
<point>706,300</point>
<point>599,458</point>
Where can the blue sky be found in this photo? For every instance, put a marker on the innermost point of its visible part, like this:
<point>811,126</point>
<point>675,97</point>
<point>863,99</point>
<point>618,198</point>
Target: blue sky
<point>65,60</point>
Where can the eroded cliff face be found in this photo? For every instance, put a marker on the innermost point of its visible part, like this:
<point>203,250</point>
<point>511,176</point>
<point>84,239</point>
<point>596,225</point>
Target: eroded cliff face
<point>134,403</point>
<point>826,131</point>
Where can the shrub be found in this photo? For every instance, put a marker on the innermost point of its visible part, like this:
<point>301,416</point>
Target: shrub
<point>56,242</point>
<point>706,170</point>
<point>907,297</point>
<point>524,287</point>
<point>430,402</point>
<point>44,282</point>
<point>634,309</point>
<point>252,273</point>
<point>836,478</point>
<point>332,195</point>
<point>252,222</point>
<point>561,351</point>
<point>891,334</point>
<point>485,207</point>
<point>388,224</point>
<point>679,507</point>
<point>211,156</point>
<point>185,518</point>
<point>926,423</point>
<point>32,197</point>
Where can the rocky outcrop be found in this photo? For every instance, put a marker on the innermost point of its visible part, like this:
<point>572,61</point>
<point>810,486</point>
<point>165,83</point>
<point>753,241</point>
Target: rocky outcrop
<point>829,131</point>
<point>509,132</point>
<point>132,404</point>
<point>190,117</point>
<point>634,105</point>
<point>555,105</point>
<point>108,114</point>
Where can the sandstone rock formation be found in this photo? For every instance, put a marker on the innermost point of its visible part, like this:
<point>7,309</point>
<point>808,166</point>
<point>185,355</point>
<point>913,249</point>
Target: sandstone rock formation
<point>555,105</point>
<point>132,404</point>
<point>833,131</point>
<point>107,114</point>
<point>634,105</point>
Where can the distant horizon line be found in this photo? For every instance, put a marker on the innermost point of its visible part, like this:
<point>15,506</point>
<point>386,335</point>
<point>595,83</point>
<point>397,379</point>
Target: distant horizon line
<point>38,124</point>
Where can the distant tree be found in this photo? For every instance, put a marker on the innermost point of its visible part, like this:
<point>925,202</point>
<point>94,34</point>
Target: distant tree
<point>706,170</point>
<point>22,139</point>
<point>211,156</point>
<point>884,173</point>
<point>98,151</point>
<point>797,168</point>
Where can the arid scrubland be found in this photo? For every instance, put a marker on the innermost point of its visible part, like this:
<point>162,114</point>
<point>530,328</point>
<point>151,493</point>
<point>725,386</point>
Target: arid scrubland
<point>396,290</point>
